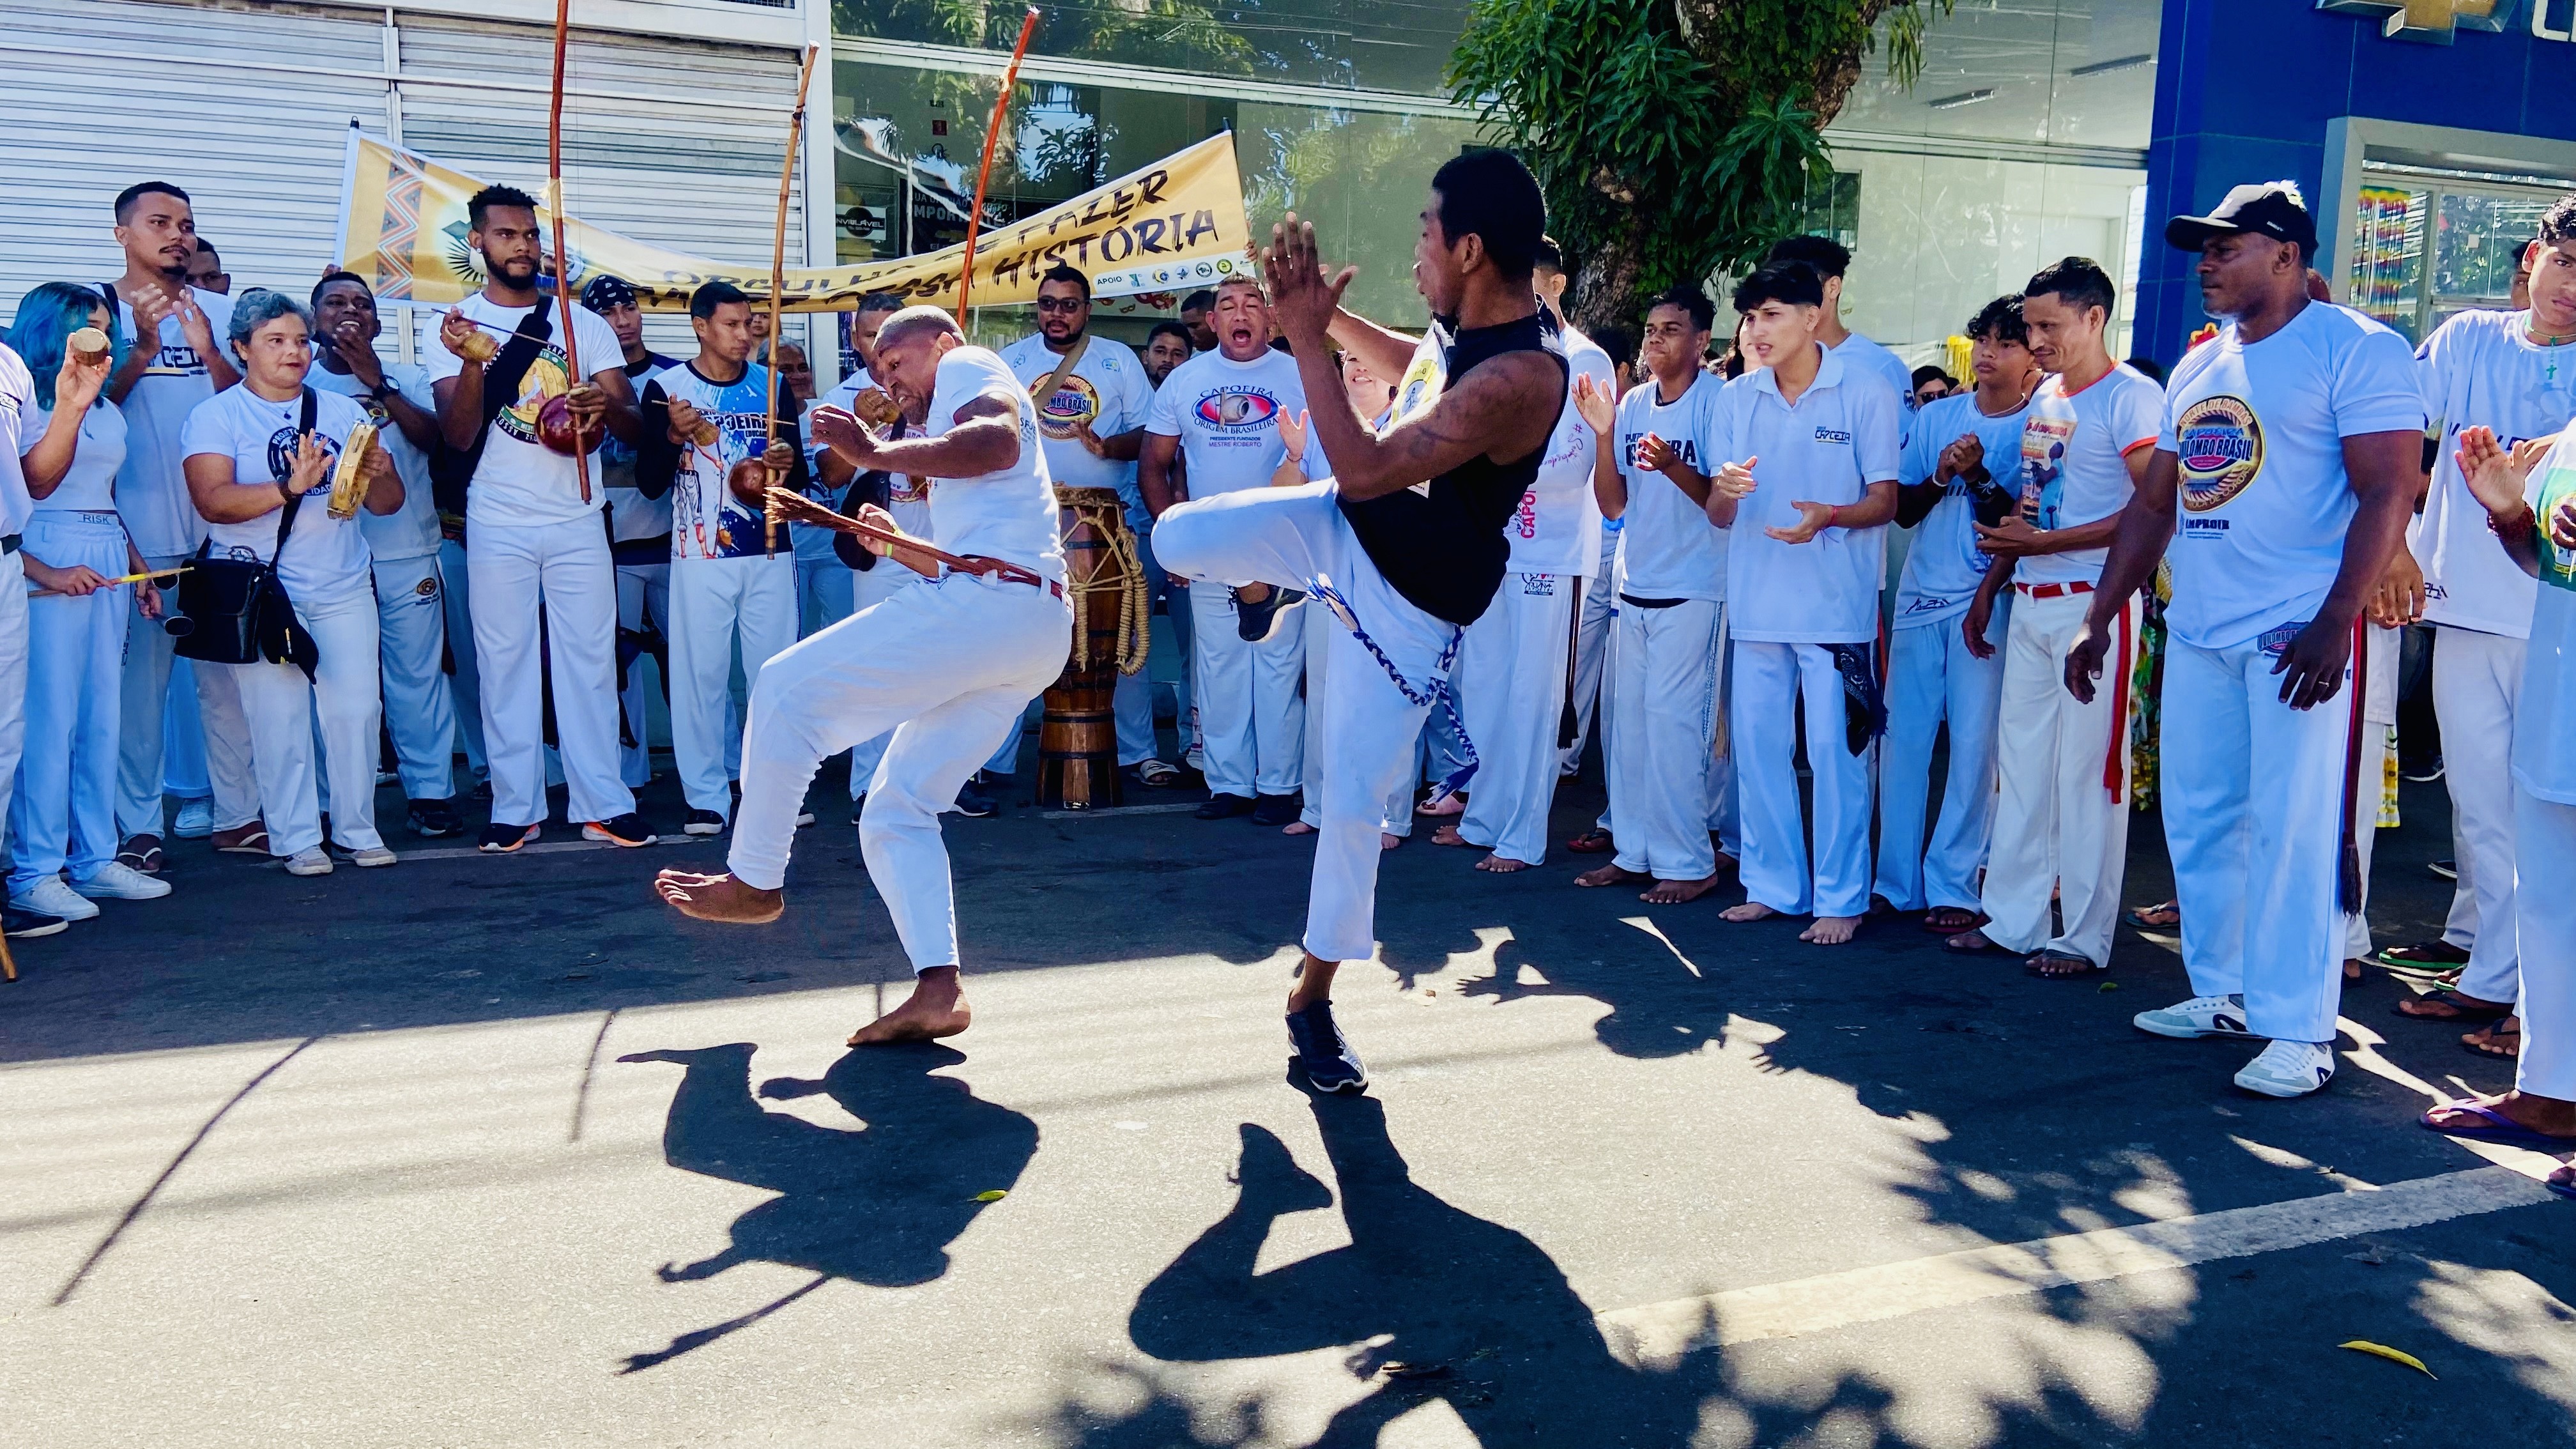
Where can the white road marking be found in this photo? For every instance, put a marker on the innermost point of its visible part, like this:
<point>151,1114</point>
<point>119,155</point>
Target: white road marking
<point>553,847</point>
<point>1174,808</point>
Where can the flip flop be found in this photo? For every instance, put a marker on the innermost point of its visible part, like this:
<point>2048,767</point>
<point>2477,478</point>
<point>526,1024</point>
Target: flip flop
<point>2499,1129</point>
<point>2462,1009</point>
<point>2083,966</point>
<point>2496,1036</point>
<point>2158,917</point>
<point>1952,944</point>
<point>1595,841</point>
<point>1968,920</point>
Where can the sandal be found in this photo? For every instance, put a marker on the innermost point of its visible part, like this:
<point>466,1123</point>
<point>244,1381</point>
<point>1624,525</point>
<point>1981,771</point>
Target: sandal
<point>2073,966</point>
<point>2455,1007</point>
<point>1595,841</point>
<point>143,853</point>
<point>2162,917</point>
<point>1970,942</point>
<point>2501,1041</point>
<point>2494,1126</point>
<point>2562,1182</point>
<point>1952,920</point>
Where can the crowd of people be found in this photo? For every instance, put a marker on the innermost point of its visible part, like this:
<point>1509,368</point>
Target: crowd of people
<point>1747,562</point>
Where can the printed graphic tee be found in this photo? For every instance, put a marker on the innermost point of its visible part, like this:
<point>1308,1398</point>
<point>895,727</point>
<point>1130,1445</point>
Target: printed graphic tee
<point>1557,528</point>
<point>1108,390</point>
<point>152,490</point>
<point>1670,549</point>
<point>2075,448</point>
<point>1226,414</point>
<point>707,521</point>
<point>325,558</point>
<point>522,483</point>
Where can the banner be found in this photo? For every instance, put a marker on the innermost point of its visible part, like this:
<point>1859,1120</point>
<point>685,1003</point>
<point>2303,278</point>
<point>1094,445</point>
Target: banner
<point>1174,225</point>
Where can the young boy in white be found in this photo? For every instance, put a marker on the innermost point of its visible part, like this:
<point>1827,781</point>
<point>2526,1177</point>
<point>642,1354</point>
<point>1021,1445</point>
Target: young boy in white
<point>1512,667</point>
<point>534,537</point>
<point>1093,426</point>
<point>2062,812</point>
<point>2291,448</point>
<point>2513,373</point>
<point>2535,523</point>
<point>1219,413</point>
<point>1942,665</point>
<point>948,664</point>
<point>1661,736</point>
<point>1803,563</point>
<point>728,589</point>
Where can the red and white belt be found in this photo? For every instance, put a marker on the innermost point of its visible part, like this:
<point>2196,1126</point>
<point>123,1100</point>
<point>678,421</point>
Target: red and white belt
<point>2053,591</point>
<point>1004,570</point>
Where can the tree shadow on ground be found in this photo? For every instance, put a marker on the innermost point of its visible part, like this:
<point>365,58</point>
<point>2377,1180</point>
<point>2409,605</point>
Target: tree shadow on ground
<point>876,1205</point>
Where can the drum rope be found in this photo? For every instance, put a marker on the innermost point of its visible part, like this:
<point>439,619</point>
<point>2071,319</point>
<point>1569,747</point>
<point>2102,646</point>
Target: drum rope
<point>1127,574</point>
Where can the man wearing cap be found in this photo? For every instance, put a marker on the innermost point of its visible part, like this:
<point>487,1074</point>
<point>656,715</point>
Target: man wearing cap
<point>2291,458</point>
<point>639,540</point>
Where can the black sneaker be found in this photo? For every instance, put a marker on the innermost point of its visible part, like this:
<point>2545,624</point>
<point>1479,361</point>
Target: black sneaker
<point>2446,869</point>
<point>1322,1053</point>
<point>1224,807</point>
<point>21,924</point>
<point>2424,958</point>
<point>628,829</point>
<point>703,822</point>
<point>1274,809</point>
<point>1256,623</point>
<point>436,819</point>
<point>499,839</point>
<point>976,803</point>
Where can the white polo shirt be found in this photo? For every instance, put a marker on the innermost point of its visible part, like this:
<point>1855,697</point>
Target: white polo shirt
<point>2075,448</point>
<point>1828,447</point>
<point>2481,369</point>
<point>1668,548</point>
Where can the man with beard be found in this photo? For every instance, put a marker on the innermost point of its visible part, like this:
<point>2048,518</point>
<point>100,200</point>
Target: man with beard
<point>206,270</point>
<point>534,539</point>
<point>639,540</point>
<point>1166,347</point>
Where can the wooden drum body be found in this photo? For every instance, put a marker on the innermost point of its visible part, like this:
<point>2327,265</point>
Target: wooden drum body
<point>1078,733</point>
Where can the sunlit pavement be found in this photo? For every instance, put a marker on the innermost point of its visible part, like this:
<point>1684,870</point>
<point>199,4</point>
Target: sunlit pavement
<point>484,1151</point>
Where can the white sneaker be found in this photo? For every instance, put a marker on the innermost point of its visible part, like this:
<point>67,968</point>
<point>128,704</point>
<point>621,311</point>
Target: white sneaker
<point>50,897</point>
<point>2289,1069</point>
<point>313,860</point>
<point>121,883</point>
<point>2200,1016</point>
<point>196,820</point>
<point>372,856</point>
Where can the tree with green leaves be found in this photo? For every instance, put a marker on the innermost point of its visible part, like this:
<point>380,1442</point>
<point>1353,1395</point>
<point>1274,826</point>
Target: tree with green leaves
<point>1674,138</point>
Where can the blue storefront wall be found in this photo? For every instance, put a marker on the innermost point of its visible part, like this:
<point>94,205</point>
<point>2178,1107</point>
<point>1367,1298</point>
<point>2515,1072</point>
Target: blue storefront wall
<point>2247,90</point>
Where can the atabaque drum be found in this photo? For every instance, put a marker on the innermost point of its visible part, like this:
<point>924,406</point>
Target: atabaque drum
<point>1078,733</point>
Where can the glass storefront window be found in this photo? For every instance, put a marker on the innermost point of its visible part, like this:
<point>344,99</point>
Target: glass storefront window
<point>2067,72</point>
<point>2425,251</point>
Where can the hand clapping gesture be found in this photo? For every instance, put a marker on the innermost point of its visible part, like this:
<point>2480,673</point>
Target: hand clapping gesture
<point>1813,519</point>
<point>1735,480</point>
<point>1964,454</point>
<point>1596,402</point>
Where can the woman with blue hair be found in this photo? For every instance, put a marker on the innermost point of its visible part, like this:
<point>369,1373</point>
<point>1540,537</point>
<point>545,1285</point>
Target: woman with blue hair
<point>63,812</point>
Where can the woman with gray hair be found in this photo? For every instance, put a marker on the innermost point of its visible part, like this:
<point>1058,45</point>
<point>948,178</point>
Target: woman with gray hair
<point>252,465</point>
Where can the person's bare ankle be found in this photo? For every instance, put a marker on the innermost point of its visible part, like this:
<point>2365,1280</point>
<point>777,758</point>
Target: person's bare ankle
<point>1314,982</point>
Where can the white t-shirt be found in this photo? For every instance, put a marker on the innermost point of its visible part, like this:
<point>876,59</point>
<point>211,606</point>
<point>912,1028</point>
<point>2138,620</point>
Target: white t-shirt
<point>2074,459</point>
<point>2481,369</point>
<point>90,485</point>
<point>325,557</point>
<point>152,490</point>
<point>1943,568</point>
<point>17,408</point>
<point>1108,390</point>
<point>522,483</point>
<point>1557,528</point>
<point>2544,720</point>
<point>1874,359</point>
<point>1009,514</point>
<point>1838,439</point>
<point>1671,550</point>
<point>2258,431</point>
<point>410,531</point>
<point>634,519</point>
<point>1226,414</point>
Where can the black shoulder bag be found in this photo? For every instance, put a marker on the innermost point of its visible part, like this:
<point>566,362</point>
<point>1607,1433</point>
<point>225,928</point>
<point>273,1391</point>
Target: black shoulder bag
<point>235,611</point>
<point>451,469</point>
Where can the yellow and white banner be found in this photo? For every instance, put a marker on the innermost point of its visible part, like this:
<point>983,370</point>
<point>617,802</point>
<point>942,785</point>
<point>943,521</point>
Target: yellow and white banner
<point>1175,225</point>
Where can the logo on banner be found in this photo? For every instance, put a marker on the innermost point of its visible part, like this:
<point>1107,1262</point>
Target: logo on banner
<point>2221,449</point>
<point>1237,407</point>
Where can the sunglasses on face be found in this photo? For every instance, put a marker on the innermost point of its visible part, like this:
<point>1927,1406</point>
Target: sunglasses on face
<point>1061,304</point>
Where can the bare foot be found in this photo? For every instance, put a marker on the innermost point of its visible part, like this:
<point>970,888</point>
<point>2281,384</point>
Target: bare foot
<point>1679,892</point>
<point>1749,911</point>
<point>1447,805</point>
<point>1501,864</point>
<point>2059,965</point>
<point>1970,941</point>
<point>1296,827</point>
<point>1831,930</point>
<point>1388,840</point>
<point>936,1008</point>
<point>1610,875</point>
<point>1448,835</point>
<point>718,898</point>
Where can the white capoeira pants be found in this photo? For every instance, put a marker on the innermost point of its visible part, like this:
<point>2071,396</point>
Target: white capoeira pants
<point>2477,681</point>
<point>643,600</point>
<point>2545,920</point>
<point>2378,744</point>
<point>281,707</point>
<point>1512,671</point>
<point>1251,720</point>
<point>1770,682</point>
<point>183,734</point>
<point>411,633</point>
<point>1662,735</point>
<point>2253,811</point>
<point>2058,825</point>
<point>716,602</point>
<point>1933,678</point>
<point>146,680</point>
<point>464,684</point>
<point>1290,538</point>
<point>567,567</point>
<point>871,587</point>
<point>1318,626</point>
<point>64,808</point>
<point>946,666</point>
<point>1592,634</point>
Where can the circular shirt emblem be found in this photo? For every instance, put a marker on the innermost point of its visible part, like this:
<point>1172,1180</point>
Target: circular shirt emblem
<point>1237,407</point>
<point>547,377</point>
<point>2221,450</point>
<point>1074,402</point>
<point>281,451</point>
<point>428,587</point>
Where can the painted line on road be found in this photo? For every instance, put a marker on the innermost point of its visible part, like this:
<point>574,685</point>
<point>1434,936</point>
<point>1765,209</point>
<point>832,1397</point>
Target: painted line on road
<point>551,847</point>
<point>1661,1331</point>
<point>1172,809</point>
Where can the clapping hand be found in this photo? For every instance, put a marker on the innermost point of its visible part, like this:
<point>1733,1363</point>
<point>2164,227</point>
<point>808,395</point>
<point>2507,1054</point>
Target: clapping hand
<point>1593,399</point>
<point>193,324</point>
<point>1656,455</point>
<point>1292,433</point>
<point>152,307</point>
<point>2495,474</point>
<point>1963,454</point>
<point>1734,480</point>
<point>1812,519</point>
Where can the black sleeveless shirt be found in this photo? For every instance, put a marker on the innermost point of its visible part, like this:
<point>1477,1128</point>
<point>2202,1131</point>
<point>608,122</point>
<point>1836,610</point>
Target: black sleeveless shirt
<point>1441,543</point>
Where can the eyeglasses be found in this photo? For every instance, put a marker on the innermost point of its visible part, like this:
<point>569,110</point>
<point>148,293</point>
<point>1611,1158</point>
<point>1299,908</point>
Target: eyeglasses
<point>1062,304</point>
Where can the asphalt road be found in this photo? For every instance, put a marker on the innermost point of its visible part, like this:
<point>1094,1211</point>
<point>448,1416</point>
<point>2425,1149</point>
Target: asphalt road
<point>495,1152</point>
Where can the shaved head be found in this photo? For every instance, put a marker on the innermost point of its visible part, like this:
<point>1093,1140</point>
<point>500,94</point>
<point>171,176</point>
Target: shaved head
<point>916,322</point>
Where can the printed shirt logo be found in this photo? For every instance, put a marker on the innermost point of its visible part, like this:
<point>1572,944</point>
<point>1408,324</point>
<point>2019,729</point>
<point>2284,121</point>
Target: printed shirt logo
<point>1238,407</point>
<point>546,378</point>
<point>2044,440</point>
<point>2557,489</point>
<point>1832,435</point>
<point>1422,385</point>
<point>281,451</point>
<point>2221,443</point>
<point>1074,403</point>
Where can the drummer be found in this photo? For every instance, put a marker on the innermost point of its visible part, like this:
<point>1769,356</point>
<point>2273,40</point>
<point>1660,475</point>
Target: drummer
<point>1092,395</point>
